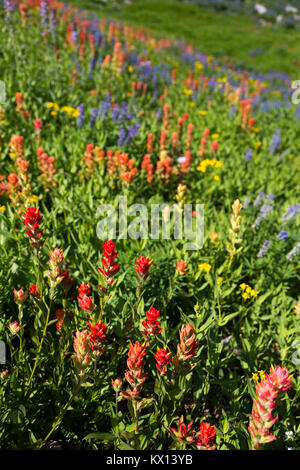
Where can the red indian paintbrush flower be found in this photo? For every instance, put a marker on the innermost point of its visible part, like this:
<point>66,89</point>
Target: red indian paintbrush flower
<point>82,348</point>
<point>117,384</point>
<point>97,336</point>
<point>184,434</point>
<point>181,267</point>
<point>205,436</point>
<point>33,292</point>
<point>186,349</point>
<point>267,392</point>
<point>32,220</point>
<point>151,325</point>
<point>20,296</point>
<point>55,263</point>
<point>143,265</point>
<point>14,327</point>
<point>162,358</point>
<point>110,268</point>
<point>134,375</point>
<point>84,300</point>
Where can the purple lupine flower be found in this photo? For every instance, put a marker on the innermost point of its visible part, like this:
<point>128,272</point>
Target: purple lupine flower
<point>264,212</point>
<point>259,198</point>
<point>92,65</point>
<point>275,142</point>
<point>232,112</point>
<point>246,203</point>
<point>93,117</point>
<point>263,250</point>
<point>115,113</point>
<point>122,136</point>
<point>283,234</point>
<point>291,212</point>
<point>248,155</point>
<point>44,13</point>
<point>80,117</point>
<point>8,8</point>
<point>105,106</point>
<point>293,252</point>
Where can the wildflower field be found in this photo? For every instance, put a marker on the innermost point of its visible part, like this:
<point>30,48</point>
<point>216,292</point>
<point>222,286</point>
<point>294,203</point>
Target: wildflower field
<point>147,338</point>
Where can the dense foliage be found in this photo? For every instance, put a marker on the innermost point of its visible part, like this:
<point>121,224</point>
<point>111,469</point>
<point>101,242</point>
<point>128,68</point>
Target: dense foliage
<point>117,343</point>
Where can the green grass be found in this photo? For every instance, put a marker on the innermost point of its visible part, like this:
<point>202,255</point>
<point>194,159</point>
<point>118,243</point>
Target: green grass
<point>233,36</point>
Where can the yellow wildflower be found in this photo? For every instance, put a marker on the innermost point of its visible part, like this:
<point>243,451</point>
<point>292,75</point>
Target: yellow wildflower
<point>187,91</point>
<point>205,267</point>
<point>2,208</point>
<point>203,112</point>
<point>130,68</point>
<point>217,178</point>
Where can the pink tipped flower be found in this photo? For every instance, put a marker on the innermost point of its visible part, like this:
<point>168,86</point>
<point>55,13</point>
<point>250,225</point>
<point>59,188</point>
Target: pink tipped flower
<point>162,358</point>
<point>38,125</point>
<point>55,263</point>
<point>151,325</point>
<point>117,384</point>
<point>4,373</point>
<point>181,267</point>
<point>20,296</point>
<point>268,392</point>
<point>143,265</point>
<point>14,327</point>
<point>82,348</point>
<point>280,378</point>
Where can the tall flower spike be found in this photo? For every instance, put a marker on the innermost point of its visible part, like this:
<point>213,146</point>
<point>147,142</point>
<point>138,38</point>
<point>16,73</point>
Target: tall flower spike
<point>110,267</point>
<point>267,392</point>
<point>186,349</point>
<point>134,375</point>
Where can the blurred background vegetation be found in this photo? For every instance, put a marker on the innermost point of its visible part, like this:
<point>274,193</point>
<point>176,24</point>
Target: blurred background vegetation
<point>264,41</point>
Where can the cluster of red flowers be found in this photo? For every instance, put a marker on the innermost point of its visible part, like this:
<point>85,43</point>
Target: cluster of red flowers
<point>200,441</point>
<point>47,168</point>
<point>267,391</point>
<point>85,302</point>
<point>121,162</point>
<point>142,267</point>
<point>97,336</point>
<point>134,375</point>
<point>110,267</point>
<point>32,221</point>
<point>91,157</point>
<point>151,325</point>
<point>162,358</point>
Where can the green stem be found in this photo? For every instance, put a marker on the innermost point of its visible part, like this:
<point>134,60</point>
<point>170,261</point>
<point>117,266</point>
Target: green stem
<point>40,346</point>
